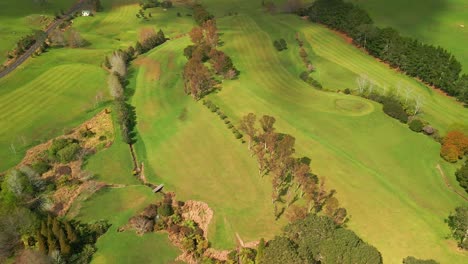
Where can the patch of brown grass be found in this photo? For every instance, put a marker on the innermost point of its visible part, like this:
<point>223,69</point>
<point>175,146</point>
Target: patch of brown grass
<point>152,68</point>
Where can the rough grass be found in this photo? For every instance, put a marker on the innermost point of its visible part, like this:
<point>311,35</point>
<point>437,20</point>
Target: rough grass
<point>438,22</point>
<point>117,206</point>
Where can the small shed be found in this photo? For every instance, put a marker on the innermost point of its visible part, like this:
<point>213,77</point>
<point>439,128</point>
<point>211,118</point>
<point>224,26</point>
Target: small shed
<point>85,13</point>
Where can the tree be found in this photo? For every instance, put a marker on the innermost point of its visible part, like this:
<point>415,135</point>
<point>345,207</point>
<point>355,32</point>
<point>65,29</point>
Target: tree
<point>455,145</point>
<point>281,250</point>
<point>458,223</point>
<point>220,61</point>
<point>71,234</point>
<point>118,62</point>
<point>196,35</point>
<point>115,87</point>
<point>211,33</point>
<point>247,126</point>
<point>462,176</point>
<point>197,78</point>
<point>74,39</point>
<point>139,48</point>
<point>65,248</point>
<point>57,38</point>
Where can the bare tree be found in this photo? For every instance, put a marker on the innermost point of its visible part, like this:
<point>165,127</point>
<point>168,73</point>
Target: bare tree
<point>118,64</point>
<point>418,103</point>
<point>74,39</point>
<point>362,82</point>
<point>115,87</point>
<point>408,92</point>
<point>57,38</point>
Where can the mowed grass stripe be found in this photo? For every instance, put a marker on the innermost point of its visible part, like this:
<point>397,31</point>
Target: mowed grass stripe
<point>45,85</point>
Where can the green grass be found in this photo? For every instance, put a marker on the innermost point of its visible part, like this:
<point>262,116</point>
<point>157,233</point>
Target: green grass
<point>117,206</point>
<point>198,158</point>
<point>21,17</point>
<point>435,22</point>
<point>384,173</point>
<point>52,91</point>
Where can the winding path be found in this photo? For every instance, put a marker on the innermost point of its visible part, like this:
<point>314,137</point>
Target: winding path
<point>38,43</point>
<point>448,184</point>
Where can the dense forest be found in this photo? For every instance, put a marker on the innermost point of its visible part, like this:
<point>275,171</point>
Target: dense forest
<point>433,65</point>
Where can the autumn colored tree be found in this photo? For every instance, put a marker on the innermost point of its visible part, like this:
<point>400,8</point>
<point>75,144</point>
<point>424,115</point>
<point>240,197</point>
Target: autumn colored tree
<point>65,248</point>
<point>211,33</point>
<point>454,146</point>
<point>196,35</point>
<point>197,78</point>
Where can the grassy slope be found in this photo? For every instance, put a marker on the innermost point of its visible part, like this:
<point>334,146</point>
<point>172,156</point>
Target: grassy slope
<point>21,17</point>
<point>384,174</point>
<point>199,158</point>
<point>51,92</point>
<point>117,206</point>
<point>433,21</point>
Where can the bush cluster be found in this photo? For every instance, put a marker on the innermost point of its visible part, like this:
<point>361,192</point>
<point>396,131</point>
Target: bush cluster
<point>64,150</point>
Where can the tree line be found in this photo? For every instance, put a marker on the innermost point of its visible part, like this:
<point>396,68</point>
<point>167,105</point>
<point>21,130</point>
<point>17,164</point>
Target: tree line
<point>199,79</point>
<point>117,65</point>
<point>275,156</point>
<point>433,65</point>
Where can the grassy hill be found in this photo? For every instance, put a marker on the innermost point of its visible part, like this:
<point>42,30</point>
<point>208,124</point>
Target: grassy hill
<point>384,174</point>
<point>438,22</point>
<point>190,150</point>
<point>21,17</point>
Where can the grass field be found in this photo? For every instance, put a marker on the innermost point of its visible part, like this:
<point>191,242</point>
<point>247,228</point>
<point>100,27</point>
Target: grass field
<point>20,17</point>
<point>117,206</point>
<point>196,156</point>
<point>438,22</point>
<point>384,173</point>
<point>50,92</point>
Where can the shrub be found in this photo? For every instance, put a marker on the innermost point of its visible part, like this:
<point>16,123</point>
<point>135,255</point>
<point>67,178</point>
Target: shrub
<point>226,121</point>
<point>237,134</point>
<point>280,44</point>
<point>41,166</point>
<point>102,138</point>
<point>87,133</point>
<point>68,153</point>
<point>166,4</point>
<point>230,126</point>
<point>416,125</point>
<point>347,91</point>
<point>394,109</point>
<point>165,210</point>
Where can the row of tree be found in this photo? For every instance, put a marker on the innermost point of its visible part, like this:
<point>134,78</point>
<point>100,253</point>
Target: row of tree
<point>274,152</point>
<point>199,80</point>
<point>433,65</point>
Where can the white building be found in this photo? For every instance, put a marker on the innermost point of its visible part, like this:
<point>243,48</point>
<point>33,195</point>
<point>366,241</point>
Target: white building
<point>85,13</point>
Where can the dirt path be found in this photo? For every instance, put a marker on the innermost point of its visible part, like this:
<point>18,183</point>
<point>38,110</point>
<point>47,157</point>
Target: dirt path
<point>38,43</point>
<point>448,184</point>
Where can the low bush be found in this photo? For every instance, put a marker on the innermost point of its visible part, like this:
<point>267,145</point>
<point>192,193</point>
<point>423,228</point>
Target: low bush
<point>416,125</point>
<point>280,44</point>
<point>394,109</point>
<point>41,166</point>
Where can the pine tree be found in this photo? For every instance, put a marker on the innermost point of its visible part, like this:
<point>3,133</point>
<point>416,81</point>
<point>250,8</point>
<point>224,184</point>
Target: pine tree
<point>139,48</point>
<point>51,241</point>
<point>56,227</point>
<point>41,243</point>
<point>71,235</point>
<point>65,248</point>
<point>43,228</point>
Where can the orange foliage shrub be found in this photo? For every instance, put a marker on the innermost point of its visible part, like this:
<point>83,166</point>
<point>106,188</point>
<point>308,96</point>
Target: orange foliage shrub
<point>454,146</point>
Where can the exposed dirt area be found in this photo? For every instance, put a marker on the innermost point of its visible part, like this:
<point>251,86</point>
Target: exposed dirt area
<point>200,213</point>
<point>66,196</point>
<point>101,125</point>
